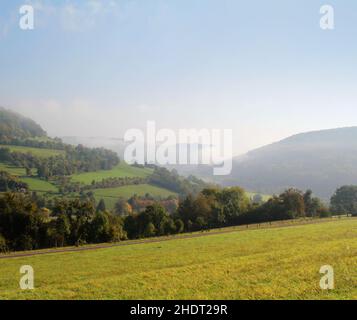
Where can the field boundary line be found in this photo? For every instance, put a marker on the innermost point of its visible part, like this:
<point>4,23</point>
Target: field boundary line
<point>263,226</point>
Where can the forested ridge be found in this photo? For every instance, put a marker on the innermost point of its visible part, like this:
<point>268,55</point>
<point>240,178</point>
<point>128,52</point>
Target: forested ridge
<point>15,126</point>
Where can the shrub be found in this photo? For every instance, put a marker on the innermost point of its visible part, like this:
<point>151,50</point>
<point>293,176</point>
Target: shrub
<point>3,246</point>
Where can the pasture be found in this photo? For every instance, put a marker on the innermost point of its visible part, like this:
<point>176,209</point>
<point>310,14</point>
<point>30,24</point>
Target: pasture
<point>39,185</point>
<point>39,152</point>
<point>120,171</point>
<point>275,263</point>
<point>15,171</point>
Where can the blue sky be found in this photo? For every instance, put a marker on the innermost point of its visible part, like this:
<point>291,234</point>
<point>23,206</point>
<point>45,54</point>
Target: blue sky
<point>263,68</point>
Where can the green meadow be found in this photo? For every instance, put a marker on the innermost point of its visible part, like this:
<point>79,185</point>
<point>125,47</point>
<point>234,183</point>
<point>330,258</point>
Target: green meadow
<point>39,185</point>
<point>16,171</point>
<point>275,263</point>
<point>39,152</point>
<point>110,195</point>
<point>120,171</point>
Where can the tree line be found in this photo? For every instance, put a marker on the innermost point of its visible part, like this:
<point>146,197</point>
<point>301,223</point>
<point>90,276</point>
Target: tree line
<point>171,180</point>
<point>66,186</point>
<point>28,221</point>
<point>75,160</point>
<point>26,226</point>
<point>11,183</point>
<point>37,142</point>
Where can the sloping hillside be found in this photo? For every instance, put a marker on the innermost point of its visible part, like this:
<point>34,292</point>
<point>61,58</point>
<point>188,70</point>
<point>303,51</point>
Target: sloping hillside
<point>320,160</point>
<point>14,125</point>
<point>179,268</point>
<point>53,168</point>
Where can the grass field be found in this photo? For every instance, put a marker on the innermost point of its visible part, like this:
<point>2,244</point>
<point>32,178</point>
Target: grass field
<point>16,171</point>
<point>278,263</point>
<point>111,195</point>
<point>39,185</point>
<point>33,183</point>
<point>120,171</point>
<point>44,153</point>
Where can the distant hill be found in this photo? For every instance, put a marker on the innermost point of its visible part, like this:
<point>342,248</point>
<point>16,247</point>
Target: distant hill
<point>115,144</point>
<point>118,145</point>
<point>320,160</point>
<point>51,167</point>
<point>16,126</point>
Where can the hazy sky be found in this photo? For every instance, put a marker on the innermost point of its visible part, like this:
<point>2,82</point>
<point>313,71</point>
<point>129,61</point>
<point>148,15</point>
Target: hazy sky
<point>263,68</point>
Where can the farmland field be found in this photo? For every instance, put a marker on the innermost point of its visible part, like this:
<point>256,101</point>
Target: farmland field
<point>120,171</point>
<point>111,195</point>
<point>278,263</point>
<point>39,185</point>
<point>44,153</point>
<point>16,171</point>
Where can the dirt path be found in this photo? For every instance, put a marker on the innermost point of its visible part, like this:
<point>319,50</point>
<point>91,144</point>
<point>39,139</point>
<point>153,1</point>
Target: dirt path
<point>106,246</point>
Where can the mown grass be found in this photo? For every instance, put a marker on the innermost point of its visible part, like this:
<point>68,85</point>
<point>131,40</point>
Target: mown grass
<point>120,171</point>
<point>39,152</point>
<point>279,263</point>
